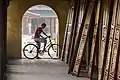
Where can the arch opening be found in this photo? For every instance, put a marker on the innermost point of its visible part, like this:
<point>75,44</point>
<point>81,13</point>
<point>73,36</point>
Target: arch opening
<point>32,19</point>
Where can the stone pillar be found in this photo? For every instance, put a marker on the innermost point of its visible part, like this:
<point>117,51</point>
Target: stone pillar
<point>3,35</point>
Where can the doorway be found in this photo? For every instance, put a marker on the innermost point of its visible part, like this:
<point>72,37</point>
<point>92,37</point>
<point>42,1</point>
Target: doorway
<point>34,17</point>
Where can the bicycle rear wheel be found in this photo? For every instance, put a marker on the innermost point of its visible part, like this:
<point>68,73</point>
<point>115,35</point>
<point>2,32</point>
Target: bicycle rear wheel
<point>53,51</point>
<point>30,51</point>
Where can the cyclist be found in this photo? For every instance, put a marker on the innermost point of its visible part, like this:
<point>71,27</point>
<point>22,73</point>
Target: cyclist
<point>38,37</point>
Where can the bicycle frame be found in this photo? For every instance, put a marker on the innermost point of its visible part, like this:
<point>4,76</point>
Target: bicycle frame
<point>48,44</point>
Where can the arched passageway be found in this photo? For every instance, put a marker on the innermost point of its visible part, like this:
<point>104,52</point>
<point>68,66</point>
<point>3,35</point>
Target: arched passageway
<point>14,22</point>
<point>98,18</point>
<point>32,19</point>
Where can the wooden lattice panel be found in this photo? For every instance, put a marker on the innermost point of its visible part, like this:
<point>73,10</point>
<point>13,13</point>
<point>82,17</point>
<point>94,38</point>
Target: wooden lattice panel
<point>118,72</point>
<point>94,40</point>
<point>67,34</point>
<point>81,49</point>
<point>103,42</point>
<point>83,39</point>
<point>108,53</point>
<point>114,54</point>
<point>101,55</point>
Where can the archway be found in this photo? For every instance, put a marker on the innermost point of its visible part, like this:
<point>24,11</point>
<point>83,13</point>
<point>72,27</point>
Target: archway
<point>35,16</point>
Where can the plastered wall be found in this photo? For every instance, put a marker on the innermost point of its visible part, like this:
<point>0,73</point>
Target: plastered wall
<point>16,10</point>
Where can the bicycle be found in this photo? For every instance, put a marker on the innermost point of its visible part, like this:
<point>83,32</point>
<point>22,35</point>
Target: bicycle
<point>31,50</point>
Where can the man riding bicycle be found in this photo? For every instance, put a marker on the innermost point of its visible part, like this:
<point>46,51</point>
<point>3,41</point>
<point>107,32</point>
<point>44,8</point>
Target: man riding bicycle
<point>38,37</point>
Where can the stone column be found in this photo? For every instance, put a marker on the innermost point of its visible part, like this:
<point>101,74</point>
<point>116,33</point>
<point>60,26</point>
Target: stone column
<point>3,35</point>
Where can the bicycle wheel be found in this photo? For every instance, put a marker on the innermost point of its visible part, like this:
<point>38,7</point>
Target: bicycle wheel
<point>30,51</point>
<point>53,51</point>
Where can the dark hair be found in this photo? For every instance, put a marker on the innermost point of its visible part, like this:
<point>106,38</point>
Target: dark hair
<point>43,24</point>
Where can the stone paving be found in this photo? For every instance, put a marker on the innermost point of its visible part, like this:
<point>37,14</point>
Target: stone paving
<point>39,69</point>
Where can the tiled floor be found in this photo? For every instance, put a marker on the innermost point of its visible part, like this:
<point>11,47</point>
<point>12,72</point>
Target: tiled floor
<point>39,69</point>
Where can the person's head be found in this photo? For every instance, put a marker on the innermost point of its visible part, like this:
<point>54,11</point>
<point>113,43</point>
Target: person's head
<point>43,25</point>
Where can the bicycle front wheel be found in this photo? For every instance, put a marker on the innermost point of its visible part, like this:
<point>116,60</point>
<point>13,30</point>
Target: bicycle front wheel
<point>53,51</point>
<point>30,51</point>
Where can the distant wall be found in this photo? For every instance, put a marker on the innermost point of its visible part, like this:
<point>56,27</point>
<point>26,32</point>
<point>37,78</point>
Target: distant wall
<point>15,13</point>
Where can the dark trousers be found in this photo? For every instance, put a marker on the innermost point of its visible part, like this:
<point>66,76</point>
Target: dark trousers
<point>39,44</point>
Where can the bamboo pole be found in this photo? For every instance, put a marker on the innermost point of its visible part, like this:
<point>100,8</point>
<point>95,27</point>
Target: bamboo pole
<point>94,39</point>
<point>78,39</point>
<point>106,68</point>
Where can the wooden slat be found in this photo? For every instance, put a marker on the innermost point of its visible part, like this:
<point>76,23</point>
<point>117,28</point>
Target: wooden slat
<point>102,49</point>
<point>114,53</point>
<point>108,55</point>
<point>78,39</point>
<point>65,36</point>
<point>71,49</point>
<point>94,40</point>
<point>68,35</point>
<point>73,26</point>
<point>82,6</point>
<point>103,39</point>
<point>106,68</point>
<point>115,46</point>
<point>118,70</point>
<point>117,62</point>
<point>83,39</point>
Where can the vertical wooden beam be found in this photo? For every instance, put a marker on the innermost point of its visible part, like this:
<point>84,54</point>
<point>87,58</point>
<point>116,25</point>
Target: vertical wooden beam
<point>71,20</point>
<point>111,5</point>
<point>84,37</point>
<point>102,42</point>
<point>94,39</point>
<point>114,54</point>
<point>106,68</point>
<point>115,47</point>
<point>117,62</point>
<point>78,39</point>
<point>74,30</point>
<point>118,68</point>
<point>118,21</point>
<point>105,37</point>
<point>65,37</point>
<point>100,24</point>
<point>73,25</point>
